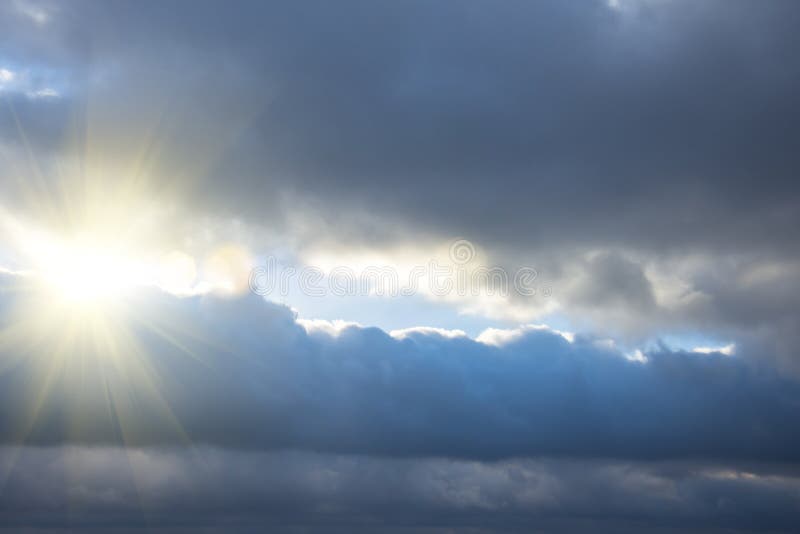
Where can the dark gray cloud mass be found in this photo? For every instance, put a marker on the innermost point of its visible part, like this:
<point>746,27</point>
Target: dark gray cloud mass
<point>657,130</point>
<point>658,125</point>
<point>169,490</point>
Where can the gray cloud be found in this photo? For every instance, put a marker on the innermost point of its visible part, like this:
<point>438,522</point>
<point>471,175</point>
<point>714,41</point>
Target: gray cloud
<point>542,131</point>
<point>176,490</point>
<point>668,125</point>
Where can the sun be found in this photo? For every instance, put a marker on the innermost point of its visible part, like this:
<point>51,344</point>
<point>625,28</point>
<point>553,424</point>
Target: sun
<point>89,274</point>
<point>86,311</point>
<point>86,271</point>
<point>99,257</point>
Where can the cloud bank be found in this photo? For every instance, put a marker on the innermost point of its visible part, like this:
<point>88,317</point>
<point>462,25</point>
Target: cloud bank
<point>168,490</point>
<point>245,374</point>
<point>238,414</point>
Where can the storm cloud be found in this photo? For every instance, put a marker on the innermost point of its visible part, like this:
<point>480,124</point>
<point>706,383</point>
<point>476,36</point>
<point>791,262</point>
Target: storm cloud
<point>654,125</point>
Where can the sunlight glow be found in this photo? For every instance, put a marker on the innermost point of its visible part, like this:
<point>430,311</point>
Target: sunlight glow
<point>84,273</point>
<point>92,240</point>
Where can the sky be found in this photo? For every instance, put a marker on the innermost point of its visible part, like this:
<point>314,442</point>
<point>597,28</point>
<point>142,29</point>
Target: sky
<point>401,267</point>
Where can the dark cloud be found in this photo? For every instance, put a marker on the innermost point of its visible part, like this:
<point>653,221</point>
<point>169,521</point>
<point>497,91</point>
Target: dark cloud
<point>655,133</point>
<point>614,280</point>
<point>177,490</point>
<point>245,374</point>
<point>660,125</point>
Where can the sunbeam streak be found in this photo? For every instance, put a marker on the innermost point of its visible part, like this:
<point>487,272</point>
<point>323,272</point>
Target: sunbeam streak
<point>81,299</point>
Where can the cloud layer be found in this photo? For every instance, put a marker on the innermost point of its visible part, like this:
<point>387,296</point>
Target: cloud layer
<point>655,136</point>
<point>169,490</point>
<point>665,125</point>
<point>245,374</point>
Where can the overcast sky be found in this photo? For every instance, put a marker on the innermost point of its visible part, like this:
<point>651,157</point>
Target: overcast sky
<point>185,184</point>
